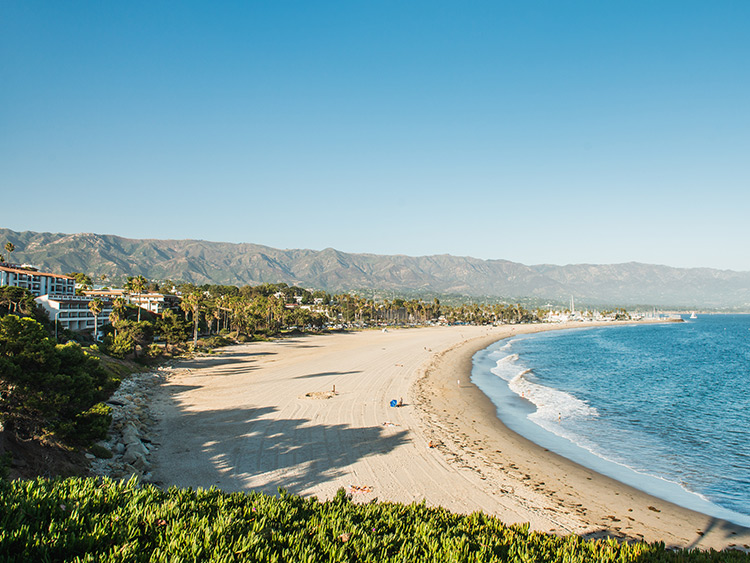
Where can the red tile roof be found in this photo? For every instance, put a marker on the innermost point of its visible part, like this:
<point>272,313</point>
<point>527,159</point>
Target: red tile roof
<point>34,273</point>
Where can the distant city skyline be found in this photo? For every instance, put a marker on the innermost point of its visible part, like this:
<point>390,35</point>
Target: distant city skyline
<point>538,132</point>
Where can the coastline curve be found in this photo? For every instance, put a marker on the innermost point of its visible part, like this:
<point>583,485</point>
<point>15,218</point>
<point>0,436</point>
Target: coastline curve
<point>464,422</point>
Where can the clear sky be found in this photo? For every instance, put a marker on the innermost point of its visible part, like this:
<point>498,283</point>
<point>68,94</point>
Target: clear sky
<point>539,132</point>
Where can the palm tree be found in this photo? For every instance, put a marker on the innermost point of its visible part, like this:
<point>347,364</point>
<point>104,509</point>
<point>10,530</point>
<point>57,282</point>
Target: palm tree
<point>136,286</point>
<point>191,303</point>
<point>96,306</point>
<point>217,315</point>
<point>209,314</point>
<point>9,247</point>
<point>118,312</point>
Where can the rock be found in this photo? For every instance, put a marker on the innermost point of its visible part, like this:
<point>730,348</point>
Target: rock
<point>141,464</point>
<point>130,470</point>
<point>134,448</point>
<point>130,433</point>
<point>134,417</point>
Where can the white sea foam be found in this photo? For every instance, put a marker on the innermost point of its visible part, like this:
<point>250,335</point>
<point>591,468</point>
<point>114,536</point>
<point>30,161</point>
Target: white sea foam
<point>509,358</point>
<point>506,367</point>
<point>586,436</point>
<point>552,405</point>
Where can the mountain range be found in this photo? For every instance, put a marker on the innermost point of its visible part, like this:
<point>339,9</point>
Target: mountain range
<point>204,262</point>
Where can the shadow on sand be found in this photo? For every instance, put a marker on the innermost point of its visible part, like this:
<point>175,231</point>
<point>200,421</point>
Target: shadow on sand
<point>325,373</point>
<point>243,449</point>
<point>733,535</point>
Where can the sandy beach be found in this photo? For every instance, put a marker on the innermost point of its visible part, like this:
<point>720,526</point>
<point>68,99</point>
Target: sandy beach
<point>311,414</point>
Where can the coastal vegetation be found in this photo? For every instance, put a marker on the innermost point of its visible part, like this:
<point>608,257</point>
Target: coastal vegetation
<point>102,520</point>
<point>270,308</point>
<point>47,387</point>
<point>214,315</point>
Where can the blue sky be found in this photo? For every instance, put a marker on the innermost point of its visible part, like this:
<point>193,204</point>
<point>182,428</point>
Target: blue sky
<point>539,132</point>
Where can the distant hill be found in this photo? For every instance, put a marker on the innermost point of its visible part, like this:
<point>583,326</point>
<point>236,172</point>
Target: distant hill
<point>202,262</point>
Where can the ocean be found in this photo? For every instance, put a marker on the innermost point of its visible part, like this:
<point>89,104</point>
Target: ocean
<point>664,408</point>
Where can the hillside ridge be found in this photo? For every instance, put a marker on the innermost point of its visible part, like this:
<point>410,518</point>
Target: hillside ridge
<point>206,262</point>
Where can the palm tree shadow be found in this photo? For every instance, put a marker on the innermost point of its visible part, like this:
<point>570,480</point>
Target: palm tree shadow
<point>241,449</point>
<point>733,535</point>
<point>326,373</point>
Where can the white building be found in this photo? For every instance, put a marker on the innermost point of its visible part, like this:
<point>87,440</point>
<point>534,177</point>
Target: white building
<point>38,283</point>
<point>154,302</point>
<point>72,311</point>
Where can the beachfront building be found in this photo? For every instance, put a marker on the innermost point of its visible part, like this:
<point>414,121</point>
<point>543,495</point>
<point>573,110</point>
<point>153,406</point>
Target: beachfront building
<point>105,294</point>
<point>72,311</point>
<point>155,302</point>
<point>56,294</point>
<point>38,283</point>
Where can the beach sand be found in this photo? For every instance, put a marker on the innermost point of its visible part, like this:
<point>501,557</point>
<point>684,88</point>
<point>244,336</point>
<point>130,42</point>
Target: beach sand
<point>265,415</point>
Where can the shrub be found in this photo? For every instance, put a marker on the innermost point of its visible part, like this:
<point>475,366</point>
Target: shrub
<point>215,342</point>
<point>46,386</point>
<point>120,346</point>
<point>100,520</point>
<point>153,351</point>
<point>93,424</point>
<point>100,451</point>
<point>6,460</point>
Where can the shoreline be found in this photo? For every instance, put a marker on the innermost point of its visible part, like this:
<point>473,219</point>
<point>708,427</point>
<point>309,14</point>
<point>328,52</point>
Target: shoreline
<point>603,506</point>
<point>311,414</point>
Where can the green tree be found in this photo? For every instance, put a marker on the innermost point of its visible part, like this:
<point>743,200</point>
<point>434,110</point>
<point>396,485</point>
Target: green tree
<point>16,300</point>
<point>136,285</point>
<point>130,336</point>
<point>172,328</point>
<point>119,309</point>
<point>83,280</point>
<point>43,385</point>
<point>191,303</point>
<point>9,248</point>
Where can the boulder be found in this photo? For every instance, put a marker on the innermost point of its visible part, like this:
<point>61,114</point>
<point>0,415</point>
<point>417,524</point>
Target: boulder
<point>130,433</point>
<point>133,451</point>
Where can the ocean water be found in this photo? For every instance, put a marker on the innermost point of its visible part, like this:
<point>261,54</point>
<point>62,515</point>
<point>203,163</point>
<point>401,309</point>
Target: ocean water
<point>662,407</point>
